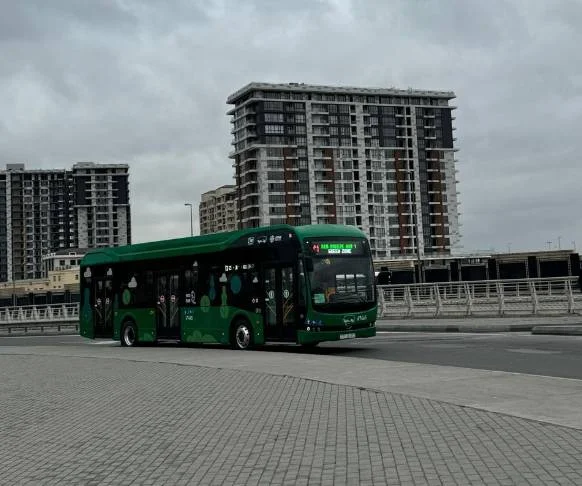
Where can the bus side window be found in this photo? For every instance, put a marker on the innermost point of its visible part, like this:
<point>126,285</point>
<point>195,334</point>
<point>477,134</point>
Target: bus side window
<point>149,287</point>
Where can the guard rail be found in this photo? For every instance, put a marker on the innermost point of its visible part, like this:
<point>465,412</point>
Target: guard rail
<point>483,298</point>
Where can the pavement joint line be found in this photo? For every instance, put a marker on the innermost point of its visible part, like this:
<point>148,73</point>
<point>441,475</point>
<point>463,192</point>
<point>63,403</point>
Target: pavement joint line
<point>472,406</point>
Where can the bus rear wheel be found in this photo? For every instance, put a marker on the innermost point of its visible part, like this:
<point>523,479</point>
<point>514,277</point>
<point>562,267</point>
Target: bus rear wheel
<point>129,334</point>
<point>242,336</point>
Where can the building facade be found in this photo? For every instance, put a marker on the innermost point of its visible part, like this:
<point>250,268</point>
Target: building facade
<point>64,259</point>
<point>43,211</point>
<point>102,213</point>
<point>380,159</point>
<point>218,210</point>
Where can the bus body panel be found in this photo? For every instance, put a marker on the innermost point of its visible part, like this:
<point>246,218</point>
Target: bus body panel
<point>144,318</point>
<point>86,327</point>
<point>305,337</point>
<point>212,324</point>
<point>322,326</point>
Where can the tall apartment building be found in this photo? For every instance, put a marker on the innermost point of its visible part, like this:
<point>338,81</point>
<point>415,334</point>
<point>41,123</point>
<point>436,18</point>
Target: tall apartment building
<point>101,204</point>
<point>379,159</point>
<point>42,211</point>
<point>218,210</point>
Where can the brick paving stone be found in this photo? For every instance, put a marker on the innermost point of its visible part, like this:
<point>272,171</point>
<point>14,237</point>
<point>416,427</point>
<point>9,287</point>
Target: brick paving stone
<point>98,421</point>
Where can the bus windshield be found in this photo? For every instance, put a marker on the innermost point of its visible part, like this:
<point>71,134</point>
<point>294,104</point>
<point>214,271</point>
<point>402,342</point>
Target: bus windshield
<point>341,277</point>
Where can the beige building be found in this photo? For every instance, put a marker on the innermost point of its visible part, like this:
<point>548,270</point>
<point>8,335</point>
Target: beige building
<point>56,281</point>
<point>218,210</point>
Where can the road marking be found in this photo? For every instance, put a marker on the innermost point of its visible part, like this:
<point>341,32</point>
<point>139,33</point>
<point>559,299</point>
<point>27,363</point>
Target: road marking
<point>103,343</point>
<point>532,351</point>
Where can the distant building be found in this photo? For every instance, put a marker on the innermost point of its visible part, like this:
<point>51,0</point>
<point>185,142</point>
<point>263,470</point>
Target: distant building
<point>56,281</point>
<point>101,205</point>
<point>62,260</point>
<point>43,211</point>
<point>379,159</point>
<point>218,210</point>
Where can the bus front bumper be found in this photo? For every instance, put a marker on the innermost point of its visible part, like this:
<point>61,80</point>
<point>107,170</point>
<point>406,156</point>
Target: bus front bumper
<point>307,337</point>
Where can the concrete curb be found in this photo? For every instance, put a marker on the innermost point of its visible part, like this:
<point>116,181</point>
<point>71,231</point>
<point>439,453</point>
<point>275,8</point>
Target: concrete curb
<point>542,325</point>
<point>453,327</point>
<point>572,330</point>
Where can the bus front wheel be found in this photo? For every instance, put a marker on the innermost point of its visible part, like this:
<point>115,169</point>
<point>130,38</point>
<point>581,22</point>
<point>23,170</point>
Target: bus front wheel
<point>242,337</point>
<point>129,334</point>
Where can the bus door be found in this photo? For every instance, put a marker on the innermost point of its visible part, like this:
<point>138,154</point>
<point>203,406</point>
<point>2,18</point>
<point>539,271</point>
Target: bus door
<point>102,299</point>
<point>168,304</point>
<point>280,301</point>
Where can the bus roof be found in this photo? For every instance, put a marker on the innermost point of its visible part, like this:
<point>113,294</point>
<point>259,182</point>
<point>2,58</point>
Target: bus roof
<point>208,243</point>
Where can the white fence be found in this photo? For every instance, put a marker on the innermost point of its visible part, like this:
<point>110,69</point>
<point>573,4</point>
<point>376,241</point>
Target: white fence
<point>484,298</point>
<point>43,319</point>
<point>39,313</point>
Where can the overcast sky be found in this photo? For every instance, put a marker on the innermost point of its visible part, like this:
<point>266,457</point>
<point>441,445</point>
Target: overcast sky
<point>145,83</point>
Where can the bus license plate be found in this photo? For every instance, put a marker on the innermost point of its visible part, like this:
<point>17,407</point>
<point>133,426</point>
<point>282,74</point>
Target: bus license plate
<point>349,335</point>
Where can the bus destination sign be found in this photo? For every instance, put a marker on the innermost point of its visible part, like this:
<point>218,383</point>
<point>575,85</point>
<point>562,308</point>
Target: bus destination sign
<point>335,248</point>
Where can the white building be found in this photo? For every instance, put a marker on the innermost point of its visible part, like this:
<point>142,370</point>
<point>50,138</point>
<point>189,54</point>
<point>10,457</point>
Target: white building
<point>218,210</point>
<point>379,159</point>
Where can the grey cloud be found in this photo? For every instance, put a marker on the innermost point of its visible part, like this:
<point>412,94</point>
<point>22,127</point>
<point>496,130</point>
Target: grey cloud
<point>146,83</point>
<point>37,20</point>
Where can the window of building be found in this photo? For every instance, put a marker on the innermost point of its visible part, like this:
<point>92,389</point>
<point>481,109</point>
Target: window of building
<point>273,105</point>
<point>274,117</point>
<point>273,129</point>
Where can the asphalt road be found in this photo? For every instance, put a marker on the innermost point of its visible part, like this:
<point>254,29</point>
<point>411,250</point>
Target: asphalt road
<point>559,356</point>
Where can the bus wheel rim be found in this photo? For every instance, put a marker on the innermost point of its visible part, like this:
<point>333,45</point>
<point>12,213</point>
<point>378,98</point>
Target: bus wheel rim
<point>129,335</point>
<point>243,336</point>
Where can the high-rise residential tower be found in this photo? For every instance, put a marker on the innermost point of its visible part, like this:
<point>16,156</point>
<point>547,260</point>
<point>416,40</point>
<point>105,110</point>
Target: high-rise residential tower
<point>42,211</point>
<point>379,159</point>
<point>101,204</point>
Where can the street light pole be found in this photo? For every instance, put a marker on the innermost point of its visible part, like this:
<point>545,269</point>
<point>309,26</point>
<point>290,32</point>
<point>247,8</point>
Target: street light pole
<point>191,223</point>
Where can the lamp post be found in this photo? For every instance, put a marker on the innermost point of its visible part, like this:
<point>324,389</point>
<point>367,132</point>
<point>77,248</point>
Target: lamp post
<point>191,224</point>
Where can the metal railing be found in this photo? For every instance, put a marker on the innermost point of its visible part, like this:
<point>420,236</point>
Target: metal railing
<point>39,318</point>
<point>483,298</point>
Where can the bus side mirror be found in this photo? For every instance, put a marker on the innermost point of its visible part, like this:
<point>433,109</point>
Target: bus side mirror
<point>309,264</point>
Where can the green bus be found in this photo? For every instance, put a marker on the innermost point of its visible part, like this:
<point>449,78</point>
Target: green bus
<point>288,284</point>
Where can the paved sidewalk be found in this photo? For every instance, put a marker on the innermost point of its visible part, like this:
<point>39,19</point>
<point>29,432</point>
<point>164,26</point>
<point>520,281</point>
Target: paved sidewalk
<point>101,415</point>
